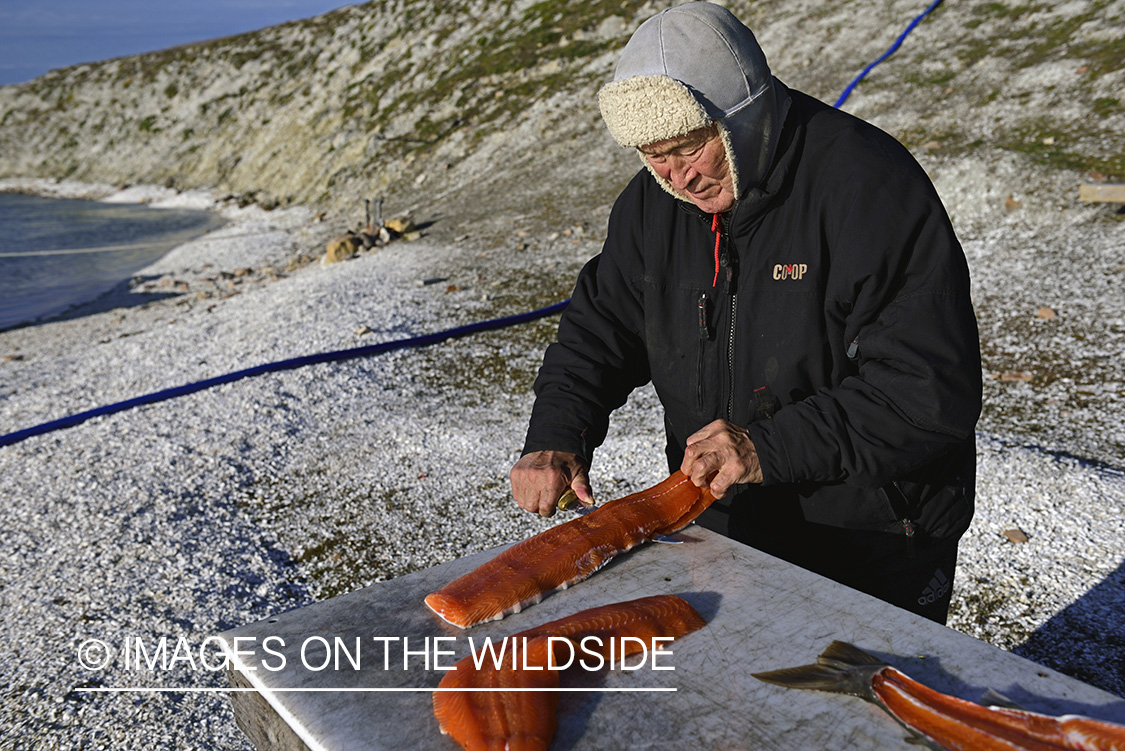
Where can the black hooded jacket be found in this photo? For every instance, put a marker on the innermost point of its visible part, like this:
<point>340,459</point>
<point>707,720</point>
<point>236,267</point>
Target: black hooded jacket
<point>833,321</point>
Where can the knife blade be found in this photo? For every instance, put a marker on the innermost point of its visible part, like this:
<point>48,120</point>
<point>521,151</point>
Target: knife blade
<point>569,501</point>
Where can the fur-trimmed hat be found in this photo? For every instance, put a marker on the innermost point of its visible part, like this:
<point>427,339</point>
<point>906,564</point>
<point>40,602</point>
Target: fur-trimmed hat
<point>689,67</point>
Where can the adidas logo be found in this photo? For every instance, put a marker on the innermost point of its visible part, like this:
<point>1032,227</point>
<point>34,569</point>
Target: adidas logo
<point>936,589</point>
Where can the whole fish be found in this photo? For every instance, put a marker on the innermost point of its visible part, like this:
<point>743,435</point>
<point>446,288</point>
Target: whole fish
<point>525,720</point>
<point>568,553</point>
<point>941,721</point>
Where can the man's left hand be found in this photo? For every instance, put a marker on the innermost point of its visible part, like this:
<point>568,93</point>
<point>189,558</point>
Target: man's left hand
<point>721,455</point>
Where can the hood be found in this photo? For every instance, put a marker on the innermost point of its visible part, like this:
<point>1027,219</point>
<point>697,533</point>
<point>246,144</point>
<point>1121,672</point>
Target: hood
<point>686,68</point>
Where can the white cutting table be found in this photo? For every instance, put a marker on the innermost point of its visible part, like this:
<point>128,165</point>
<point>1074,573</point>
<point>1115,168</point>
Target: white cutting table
<point>762,614</point>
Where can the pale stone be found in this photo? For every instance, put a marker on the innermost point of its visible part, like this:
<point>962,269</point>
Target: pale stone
<point>340,248</point>
<point>1016,535</point>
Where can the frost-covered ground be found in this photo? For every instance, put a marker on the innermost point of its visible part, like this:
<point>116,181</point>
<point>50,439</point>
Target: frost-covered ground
<point>187,517</point>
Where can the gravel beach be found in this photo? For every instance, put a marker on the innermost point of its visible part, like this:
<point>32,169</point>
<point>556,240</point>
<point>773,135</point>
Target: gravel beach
<point>191,516</point>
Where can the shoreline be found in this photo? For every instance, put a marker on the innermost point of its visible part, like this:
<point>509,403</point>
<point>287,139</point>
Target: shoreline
<point>224,507</point>
<point>58,280</point>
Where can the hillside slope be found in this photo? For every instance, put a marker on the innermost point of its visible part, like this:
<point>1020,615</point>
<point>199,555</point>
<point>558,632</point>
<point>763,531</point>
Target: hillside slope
<point>441,106</point>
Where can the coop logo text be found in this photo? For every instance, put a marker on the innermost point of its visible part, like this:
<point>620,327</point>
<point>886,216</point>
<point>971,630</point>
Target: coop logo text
<point>790,271</point>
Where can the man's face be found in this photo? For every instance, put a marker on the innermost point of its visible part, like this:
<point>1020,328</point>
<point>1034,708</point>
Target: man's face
<point>696,165</point>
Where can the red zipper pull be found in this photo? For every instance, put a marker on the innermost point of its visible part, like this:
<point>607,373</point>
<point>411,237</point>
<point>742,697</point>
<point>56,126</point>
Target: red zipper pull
<point>718,237</point>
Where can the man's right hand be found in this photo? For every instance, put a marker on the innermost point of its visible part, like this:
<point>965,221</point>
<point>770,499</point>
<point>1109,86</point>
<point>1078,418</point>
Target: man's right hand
<point>539,478</point>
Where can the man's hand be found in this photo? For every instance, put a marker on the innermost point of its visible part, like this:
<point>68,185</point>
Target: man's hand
<point>539,478</point>
<point>721,455</point>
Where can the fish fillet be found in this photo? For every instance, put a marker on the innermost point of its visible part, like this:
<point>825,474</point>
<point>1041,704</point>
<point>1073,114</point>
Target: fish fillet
<point>560,556</point>
<point>526,720</point>
<point>942,721</point>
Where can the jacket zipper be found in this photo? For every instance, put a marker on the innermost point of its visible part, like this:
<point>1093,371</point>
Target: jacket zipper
<point>907,523</point>
<point>730,357</point>
<point>727,263</point>
<point>704,335</point>
<point>903,509</point>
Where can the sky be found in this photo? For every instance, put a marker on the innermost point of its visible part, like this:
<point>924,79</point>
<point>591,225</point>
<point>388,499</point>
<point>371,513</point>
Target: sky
<point>39,35</point>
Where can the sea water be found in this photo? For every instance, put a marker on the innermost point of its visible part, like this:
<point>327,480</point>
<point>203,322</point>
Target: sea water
<point>56,253</point>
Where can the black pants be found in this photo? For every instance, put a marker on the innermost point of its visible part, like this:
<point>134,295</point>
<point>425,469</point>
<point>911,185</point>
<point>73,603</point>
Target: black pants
<point>914,573</point>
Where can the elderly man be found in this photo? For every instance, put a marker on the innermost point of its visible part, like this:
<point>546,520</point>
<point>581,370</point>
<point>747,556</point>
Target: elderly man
<point>787,278</point>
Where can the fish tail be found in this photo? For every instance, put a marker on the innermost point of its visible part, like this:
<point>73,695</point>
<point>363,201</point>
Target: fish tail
<point>842,668</point>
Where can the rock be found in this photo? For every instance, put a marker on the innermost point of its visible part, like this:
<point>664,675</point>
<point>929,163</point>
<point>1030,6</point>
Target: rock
<point>295,263</point>
<point>243,272</point>
<point>612,26</point>
<point>340,248</point>
<point>362,330</point>
<point>1016,535</point>
<point>1011,204</point>
<point>1046,313</point>
<point>376,239</point>
<point>400,225</point>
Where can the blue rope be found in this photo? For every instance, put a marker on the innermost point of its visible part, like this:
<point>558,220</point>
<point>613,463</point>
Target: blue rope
<point>890,51</point>
<point>273,367</point>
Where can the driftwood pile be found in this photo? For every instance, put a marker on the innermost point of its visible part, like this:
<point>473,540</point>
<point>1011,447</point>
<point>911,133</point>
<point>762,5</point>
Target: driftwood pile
<point>348,245</point>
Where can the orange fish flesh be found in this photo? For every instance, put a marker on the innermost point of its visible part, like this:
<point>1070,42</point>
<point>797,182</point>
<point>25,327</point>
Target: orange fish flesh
<point>941,721</point>
<point>568,553</point>
<point>526,720</point>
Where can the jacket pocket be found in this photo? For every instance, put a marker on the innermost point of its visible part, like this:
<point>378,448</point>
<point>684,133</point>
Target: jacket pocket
<point>903,511</point>
<point>681,349</point>
<point>940,511</point>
